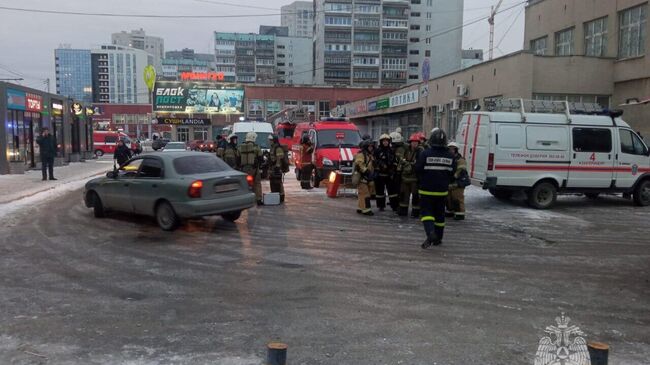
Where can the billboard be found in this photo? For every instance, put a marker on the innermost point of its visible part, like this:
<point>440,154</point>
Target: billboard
<point>193,97</point>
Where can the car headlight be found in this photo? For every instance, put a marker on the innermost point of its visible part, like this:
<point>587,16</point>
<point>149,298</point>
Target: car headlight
<point>327,162</point>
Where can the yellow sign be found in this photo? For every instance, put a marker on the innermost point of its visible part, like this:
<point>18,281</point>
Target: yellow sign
<point>150,76</point>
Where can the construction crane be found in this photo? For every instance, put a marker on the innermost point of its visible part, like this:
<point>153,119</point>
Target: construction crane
<point>494,11</point>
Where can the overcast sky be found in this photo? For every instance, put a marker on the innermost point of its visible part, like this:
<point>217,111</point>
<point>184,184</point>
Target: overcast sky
<point>29,40</point>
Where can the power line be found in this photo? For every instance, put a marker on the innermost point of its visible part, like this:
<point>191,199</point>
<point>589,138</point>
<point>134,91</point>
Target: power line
<point>510,27</point>
<point>234,5</point>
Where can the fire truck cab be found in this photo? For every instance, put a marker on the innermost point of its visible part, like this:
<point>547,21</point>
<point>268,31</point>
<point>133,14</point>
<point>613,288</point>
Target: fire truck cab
<point>106,141</point>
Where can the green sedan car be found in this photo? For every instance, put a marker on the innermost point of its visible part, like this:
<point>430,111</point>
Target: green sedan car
<point>170,187</point>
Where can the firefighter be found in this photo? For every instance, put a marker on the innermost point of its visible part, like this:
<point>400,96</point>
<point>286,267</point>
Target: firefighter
<point>456,198</point>
<point>276,176</point>
<point>363,164</point>
<point>306,165</point>
<point>409,187</point>
<point>250,156</point>
<point>385,166</point>
<point>230,153</point>
<point>399,148</point>
<point>371,184</point>
<point>220,146</point>
<point>435,166</point>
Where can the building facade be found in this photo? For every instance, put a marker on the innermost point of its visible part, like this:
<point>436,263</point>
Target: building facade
<point>245,58</point>
<point>294,60</point>
<point>471,57</point>
<point>73,73</point>
<point>299,18</point>
<point>117,75</point>
<point>174,68</point>
<point>138,39</point>
<point>136,120</point>
<point>274,30</point>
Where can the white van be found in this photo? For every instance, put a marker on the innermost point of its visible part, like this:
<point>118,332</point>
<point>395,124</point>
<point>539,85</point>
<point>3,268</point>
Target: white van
<point>263,130</point>
<point>552,150</point>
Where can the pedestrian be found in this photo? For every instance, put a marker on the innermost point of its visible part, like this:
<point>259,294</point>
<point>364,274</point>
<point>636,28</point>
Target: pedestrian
<point>306,164</point>
<point>230,153</point>
<point>385,167</point>
<point>460,180</point>
<point>122,153</point>
<point>409,183</point>
<point>435,166</point>
<point>364,167</point>
<point>276,174</point>
<point>251,156</point>
<point>47,145</point>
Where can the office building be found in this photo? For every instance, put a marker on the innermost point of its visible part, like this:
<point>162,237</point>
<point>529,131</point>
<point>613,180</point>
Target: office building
<point>117,75</point>
<point>245,58</point>
<point>138,39</point>
<point>73,74</point>
<point>299,18</point>
<point>186,60</point>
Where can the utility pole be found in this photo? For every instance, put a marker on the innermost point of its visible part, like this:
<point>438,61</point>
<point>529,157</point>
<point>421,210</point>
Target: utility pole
<point>493,12</point>
<point>47,84</point>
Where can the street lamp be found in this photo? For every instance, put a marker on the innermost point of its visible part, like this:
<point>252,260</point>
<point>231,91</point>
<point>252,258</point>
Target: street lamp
<point>241,119</point>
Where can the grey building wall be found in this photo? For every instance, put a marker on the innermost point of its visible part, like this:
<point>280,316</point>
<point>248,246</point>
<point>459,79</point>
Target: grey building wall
<point>294,60</point>
<point>138,39</point>
<point>299,18</point>
<point>246,58</point>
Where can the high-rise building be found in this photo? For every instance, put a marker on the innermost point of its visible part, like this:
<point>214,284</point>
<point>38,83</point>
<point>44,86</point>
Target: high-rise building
<point>138,39</point>
<point>73,73</point>
<point>294,60</point>
<point>186,60</point>
<point>246,58</point>
<point>117,75</point>
<point>299,17</point>
<point>189,54</point>
<point>274,30</point>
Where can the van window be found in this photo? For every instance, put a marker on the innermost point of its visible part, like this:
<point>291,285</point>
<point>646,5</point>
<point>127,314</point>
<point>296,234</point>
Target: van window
<point>631,143</point>
<point>110,139</point>
<point>509,137</point>
<point>546,138</point>
<point>592,140</point>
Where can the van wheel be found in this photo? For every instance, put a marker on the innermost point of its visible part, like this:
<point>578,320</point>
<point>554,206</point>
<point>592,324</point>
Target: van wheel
<point>642,194</point>
<point>316,179</point>
<point>98,207</point>
<point>166,217</point>
<point>542,196</point>
<point>592,196</point>
<point>502,194</point>
<point>99,153</point>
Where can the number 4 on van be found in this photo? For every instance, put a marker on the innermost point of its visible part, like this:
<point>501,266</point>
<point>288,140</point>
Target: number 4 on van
<point>592,157</point>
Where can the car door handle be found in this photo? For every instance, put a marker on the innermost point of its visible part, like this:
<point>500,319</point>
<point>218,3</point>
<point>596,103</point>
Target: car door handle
<point>154,185</point>
<point>609,157</point>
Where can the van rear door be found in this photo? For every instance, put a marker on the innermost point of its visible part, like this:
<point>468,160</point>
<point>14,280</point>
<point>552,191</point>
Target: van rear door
<point>592,163</point>
<point>476,145</point>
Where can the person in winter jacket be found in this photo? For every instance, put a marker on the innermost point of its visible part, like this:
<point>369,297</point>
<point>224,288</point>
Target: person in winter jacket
<point>409,179</point>
<point>306,164</point>
<point>230,153</point>
<point>399,148</point>
<point>251,159</point>
<point>456,198</point>
<point>364,166</point>
<point>47,144</point>
<point>276,176</point>
<point>122,153</point>
<point>385,167</point>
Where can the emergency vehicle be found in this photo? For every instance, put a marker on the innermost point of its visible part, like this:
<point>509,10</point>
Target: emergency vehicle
<point>335,140</point>
<point>544,148</point>
<point>106,141</point>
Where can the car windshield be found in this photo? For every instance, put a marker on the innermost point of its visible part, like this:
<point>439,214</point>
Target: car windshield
<point>262,139</point>
<point>175,146</point>
<point>328,138</point>
<point>193,165</point>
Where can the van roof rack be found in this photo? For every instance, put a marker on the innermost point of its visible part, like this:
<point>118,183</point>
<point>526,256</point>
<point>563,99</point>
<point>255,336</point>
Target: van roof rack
<point>524,106</point>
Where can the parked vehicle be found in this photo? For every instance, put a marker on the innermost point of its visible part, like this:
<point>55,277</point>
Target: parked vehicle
<point>263,130</point>
<point>159,143</point>
<point>105,142</point>
<point>174,147</point>
<point>171,187</point>
<point>336,141</point>
<point>203,146</point>
<point>544,153</point>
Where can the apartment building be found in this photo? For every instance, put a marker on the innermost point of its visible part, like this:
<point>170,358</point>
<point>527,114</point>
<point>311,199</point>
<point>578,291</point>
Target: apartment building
<point>245,58</point>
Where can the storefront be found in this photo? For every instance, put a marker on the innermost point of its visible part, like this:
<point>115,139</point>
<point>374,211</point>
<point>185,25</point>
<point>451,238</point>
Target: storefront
<point>136,120</point>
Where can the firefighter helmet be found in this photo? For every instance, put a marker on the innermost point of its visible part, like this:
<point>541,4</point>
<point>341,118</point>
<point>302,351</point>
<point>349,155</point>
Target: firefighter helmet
<point>453,144</point>
<point>251,137</point>
<point>231,136</point>
<point>438,138</point>
<point>415,137</point>
<point>396,137</point>
<point>384,136</point>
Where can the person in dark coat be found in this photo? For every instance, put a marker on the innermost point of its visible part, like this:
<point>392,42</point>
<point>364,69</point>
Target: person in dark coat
<point>47,145</point>
<point>122,153</point>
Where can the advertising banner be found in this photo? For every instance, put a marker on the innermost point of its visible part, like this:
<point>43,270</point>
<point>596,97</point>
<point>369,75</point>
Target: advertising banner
<point>34,102</point>
<point>188,97</point>
<point>406,98</point>
<point>15,99</point>
<point>184,121</point>
<point>383,104</point>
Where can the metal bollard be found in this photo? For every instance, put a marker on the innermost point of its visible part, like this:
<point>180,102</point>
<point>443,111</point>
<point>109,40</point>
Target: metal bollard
<point>598,352</point>
<point>277,353</point>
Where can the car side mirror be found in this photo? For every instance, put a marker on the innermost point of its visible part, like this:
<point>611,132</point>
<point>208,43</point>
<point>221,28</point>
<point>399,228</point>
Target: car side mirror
<point>111,174</point>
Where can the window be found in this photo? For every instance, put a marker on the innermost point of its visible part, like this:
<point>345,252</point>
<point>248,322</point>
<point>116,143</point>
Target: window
<point>390,23</point>
<point>414,64</point>
<point>428,15</point>
<point>413,77</point>
<point>564,43</point>
<point>415,1</point>
<point>193,165</point>
<point>592,140</point>
<point>631,143</point>
<point>427,53</point>
<point>631,42</point>
<point>415,14</point>
<point>429,2</point>
<point>110,139</point>
<point>414,40</point>
<point>394,35</point>
<point>324,108</point>
<point>415,27</point>
<point>538,46</point>
<point>364,47</point>
<point>414,51</point>
<point>130,169</point>
<point>366,61</point>
<point>367,9</point>
<point>200,133</point>
<point>337,20</point>
<point>366,36</point>
<point>151,168</point>
<point>596,37</point>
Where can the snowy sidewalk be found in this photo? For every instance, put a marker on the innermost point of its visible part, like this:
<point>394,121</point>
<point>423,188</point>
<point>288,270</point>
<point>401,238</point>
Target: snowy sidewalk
<point>18,187</point>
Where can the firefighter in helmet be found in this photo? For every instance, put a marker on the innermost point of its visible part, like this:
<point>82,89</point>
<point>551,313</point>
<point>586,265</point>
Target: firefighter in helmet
<point>363,165</point>
<point>399,148</point>
<point>456,198</point>
<point>276,175</point>
<point>385,167</point>
<point>251,159</point>
<point>306,164</point>
<point>230,153</point>
<point>435,166</point>
<point>409,187</point>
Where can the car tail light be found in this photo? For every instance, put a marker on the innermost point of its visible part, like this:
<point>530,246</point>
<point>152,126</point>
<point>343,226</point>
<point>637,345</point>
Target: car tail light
<point>249,180</point>
<point>195,189</point>
<point>491,162</point>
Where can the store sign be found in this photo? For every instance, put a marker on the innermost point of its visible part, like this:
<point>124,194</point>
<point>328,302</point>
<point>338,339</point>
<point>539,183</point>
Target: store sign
<point>77,109</point>
<point>15,99</point>
<point>405,98</point>
<point>57,106</point>
<point>174,96</point>
<point>378,105</point>
<point>34,103</point>
<point>198,76</point>
<point>184,121</point>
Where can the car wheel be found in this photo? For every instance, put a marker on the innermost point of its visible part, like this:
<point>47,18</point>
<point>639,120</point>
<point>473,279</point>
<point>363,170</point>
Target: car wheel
<point>315,179</point>
<point>542,196</point>
<point>166,217</point>
<point>502,194</point>
<point>592,196</point>
<point>98,207</point>
<point>642,194</point>
<point>99,153</point>
<point>231,216</point>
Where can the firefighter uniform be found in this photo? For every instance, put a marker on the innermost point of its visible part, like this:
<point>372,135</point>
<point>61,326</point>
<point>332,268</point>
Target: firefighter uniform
<point>435,166</point>
<point>399,148</point>
<point>251,156</point>
<point>363,164</point>
<point>385,166</point>
<point>276,176</point>
<point>230,153</point>
<point>456,198</point>
<point>409,184</point>
<point>306,165</point>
